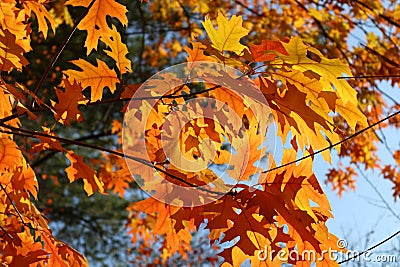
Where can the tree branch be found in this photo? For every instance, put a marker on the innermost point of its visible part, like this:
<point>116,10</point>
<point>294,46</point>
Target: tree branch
<point>371,248</point>
<point>34,134</point>
<point>58,53</point>
<point>334,144</point>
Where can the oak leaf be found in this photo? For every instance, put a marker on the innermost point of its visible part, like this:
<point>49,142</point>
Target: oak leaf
<point>197,53</point>
<point>13,19</point>
<point>10,155</point>
<point>164,225</point>
<point>95,22</point>
<point>95,77</point>
<point>267,50</point>
<point>47,143</point>
<point>118,50</point>
<point>246,158</point>
<point>24,180</point>
<point>6,108</point>
<point>30,258</point>
<point>228,35</point>
<point>351,113</point>
<point>62,255</point>
<point>79,169</point>
<point>11,54</point>
<point>68,101</point>
<point>42,16</point>
<point>306,58</point>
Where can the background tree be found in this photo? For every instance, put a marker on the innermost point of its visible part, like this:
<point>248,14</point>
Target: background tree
<point>52,51</point>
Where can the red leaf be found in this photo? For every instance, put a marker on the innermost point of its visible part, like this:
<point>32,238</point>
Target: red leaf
<point>68,101</point>
<point>267,50</point>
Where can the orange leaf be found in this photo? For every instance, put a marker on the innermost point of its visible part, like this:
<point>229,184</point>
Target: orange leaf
<point>11,54</point>
<point>266,51</point>
<point>129,90</point>
<point>97,77</point>
<point>14,170</point>
<point>30,258</point>
<point>197,53</point>
<point>164,224</point>
<point>62,255</point>
<point>6,109</point>
<point>24,180</point>
<point>42,16</point>
<point>247,157</point>
<point>95,21</point>
<point>47,143</point>
<point>10,155</point>
<point>67,108</point>
<point>79,169</point>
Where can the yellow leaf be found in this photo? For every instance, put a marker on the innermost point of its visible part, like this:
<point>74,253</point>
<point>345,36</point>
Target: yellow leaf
<point>12,18</point>
<point>328,69</point>
<point>351,114</point>
<point>238,257</point>
<point>229,32</point>
<point>118,50</point>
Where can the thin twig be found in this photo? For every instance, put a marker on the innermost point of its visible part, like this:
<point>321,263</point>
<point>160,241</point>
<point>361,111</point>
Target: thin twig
<point>34,134</point>
<point>16,209</point>
<point>334,144</point>
<point>371,248</point>
<point>107,101</point>
<point>7,233</point>
<point>369,77</point>
<point>58,53</point>
<point>378,193</point>
<point>52,153</point>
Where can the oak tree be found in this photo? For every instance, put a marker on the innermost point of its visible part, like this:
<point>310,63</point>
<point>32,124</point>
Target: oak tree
<point>80,105</point>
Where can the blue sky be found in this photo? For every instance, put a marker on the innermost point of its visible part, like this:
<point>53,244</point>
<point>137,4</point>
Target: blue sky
<point>362,217</point>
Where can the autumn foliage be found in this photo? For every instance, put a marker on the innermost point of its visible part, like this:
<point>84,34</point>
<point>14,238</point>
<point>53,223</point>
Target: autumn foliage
<point>315,93</point>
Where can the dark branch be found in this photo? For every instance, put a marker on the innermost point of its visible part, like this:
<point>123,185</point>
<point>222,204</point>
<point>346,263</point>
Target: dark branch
<point>58,53</point>
<point>334,144</point>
